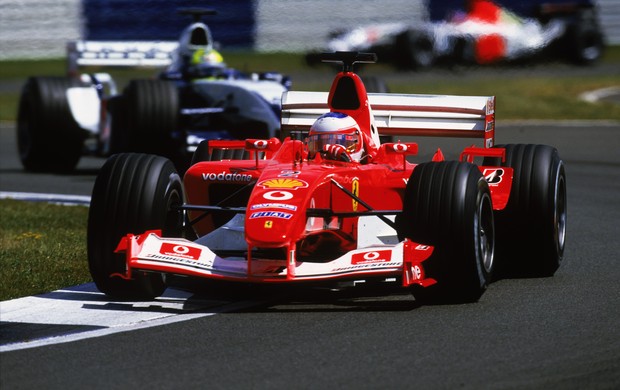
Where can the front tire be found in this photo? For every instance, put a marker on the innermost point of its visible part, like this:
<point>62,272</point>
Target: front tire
<point>48,138</point>
<point>133,193</point>
<point>448,205</point>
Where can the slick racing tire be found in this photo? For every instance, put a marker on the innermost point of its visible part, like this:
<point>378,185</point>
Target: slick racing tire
<point>146,120</point>
<point>119,140</point>
<point>414,50</point>
<point>133,193</point>
<point>584,43</point>
<point>48,138</point>
<point>531,230</point>
<point>448,205</point>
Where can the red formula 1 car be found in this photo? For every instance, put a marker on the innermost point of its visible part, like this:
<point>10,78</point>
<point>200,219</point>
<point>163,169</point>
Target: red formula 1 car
<point>337,205</point>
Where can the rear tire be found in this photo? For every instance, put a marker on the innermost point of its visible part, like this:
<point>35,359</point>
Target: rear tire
<point>531,230</point>
<point>448,205</point>
<point>415,50</point>
<point>146,120</point>
<point>584,43</point>
<point>119,140</point>
<point>133,193</point>
<point>48,138</point>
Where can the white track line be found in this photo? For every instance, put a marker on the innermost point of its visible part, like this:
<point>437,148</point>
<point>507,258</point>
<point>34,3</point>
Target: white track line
<point>71,313</point>
<point>50,198</point>
<point>599,94</point>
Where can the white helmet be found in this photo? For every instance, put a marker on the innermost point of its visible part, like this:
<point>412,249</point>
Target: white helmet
<point>335,128</point>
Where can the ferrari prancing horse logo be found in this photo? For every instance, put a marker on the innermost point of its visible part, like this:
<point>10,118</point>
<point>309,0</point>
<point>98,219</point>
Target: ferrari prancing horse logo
<point>355,189</point>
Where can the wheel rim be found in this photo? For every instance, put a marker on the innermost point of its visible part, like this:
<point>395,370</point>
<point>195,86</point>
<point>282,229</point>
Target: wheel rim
<point>486,233</point>
<point>172,222</point>
<point>591,53</point>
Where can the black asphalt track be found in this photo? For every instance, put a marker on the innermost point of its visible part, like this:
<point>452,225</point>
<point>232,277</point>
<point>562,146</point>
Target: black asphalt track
<point>553,333</point>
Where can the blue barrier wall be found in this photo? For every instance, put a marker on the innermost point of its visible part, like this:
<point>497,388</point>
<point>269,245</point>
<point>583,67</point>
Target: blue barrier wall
<point>34,29</point>
<point>233,25</point>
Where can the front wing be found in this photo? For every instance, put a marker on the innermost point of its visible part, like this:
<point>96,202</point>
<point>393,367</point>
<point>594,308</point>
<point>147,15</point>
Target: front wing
<point>151,252</point>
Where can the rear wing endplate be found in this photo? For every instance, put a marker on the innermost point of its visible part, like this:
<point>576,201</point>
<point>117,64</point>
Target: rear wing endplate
<point>119,53</point>
<point>401,114</point>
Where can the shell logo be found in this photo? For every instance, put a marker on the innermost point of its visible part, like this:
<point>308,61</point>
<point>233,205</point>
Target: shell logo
<point>291,184</point>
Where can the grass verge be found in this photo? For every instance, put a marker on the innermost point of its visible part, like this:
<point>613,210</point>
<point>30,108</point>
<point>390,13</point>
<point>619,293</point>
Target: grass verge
<point>42,247</point>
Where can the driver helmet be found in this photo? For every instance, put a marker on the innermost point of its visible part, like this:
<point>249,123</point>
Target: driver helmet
<point>206,64</point>
<point>209,57</point>
<point>335,128</point>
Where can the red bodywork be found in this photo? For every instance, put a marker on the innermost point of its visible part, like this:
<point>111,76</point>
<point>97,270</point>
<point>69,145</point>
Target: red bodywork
<point>306,218</point>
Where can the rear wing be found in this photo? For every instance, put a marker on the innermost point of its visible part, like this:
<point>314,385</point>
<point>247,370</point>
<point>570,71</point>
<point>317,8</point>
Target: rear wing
<point>400,114</point>
<point>119,53</point>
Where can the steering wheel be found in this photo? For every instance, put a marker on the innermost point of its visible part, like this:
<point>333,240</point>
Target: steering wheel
<point>335,152</point>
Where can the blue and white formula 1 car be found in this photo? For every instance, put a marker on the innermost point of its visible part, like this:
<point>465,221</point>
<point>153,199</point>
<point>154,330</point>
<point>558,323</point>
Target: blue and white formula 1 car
<point>195,98</point>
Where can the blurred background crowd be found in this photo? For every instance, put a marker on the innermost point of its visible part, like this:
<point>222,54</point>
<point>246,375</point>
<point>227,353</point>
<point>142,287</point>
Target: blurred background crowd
<point>41,28</point>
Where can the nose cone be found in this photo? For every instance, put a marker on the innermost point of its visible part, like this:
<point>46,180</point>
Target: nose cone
<point>276,212</point>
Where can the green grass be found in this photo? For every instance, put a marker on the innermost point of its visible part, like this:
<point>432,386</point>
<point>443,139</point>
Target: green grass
<point>42,247</point>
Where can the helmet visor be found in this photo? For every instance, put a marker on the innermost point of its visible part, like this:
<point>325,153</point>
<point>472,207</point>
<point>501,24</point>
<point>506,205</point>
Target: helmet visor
<point>316,142</point>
